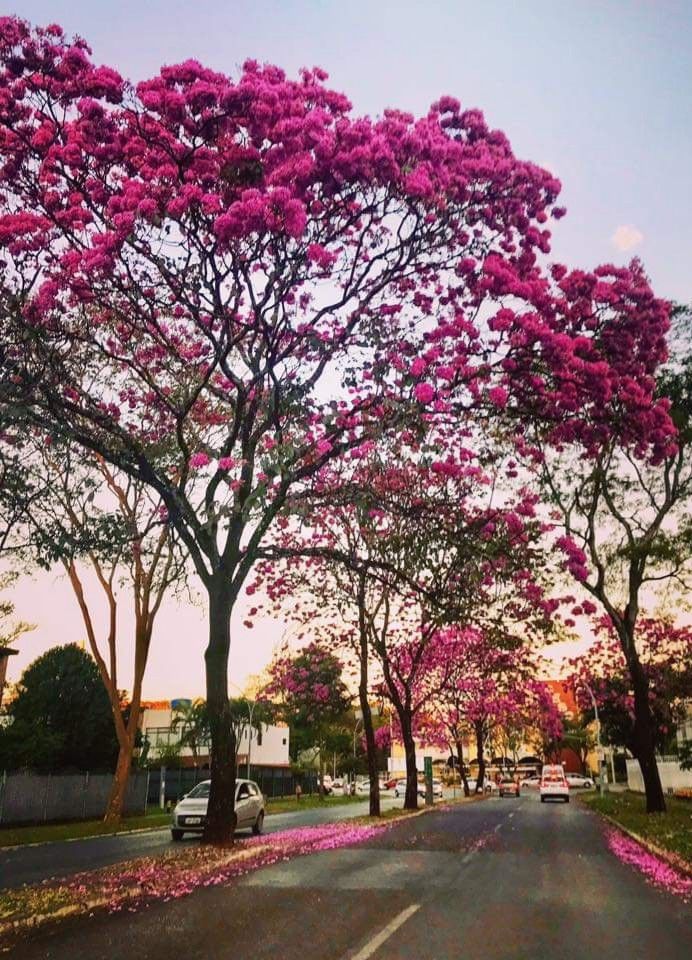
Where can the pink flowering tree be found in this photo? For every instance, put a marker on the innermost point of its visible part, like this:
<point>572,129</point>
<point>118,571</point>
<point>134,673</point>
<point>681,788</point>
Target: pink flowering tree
<point>543,721</point>
<point>665,652</point>
<point>484,684</point>
<point>392,552</point>
<point>625,513</point>
<point>221,285</point>
<point>310,693</point>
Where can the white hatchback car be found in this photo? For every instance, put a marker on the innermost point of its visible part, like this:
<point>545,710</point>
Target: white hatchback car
<point>554,783</point>
<point>190,813</point>
<point>577,780</point>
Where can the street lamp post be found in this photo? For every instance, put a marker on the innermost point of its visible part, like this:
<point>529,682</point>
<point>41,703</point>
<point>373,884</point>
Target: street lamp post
<point>601,762</point>
<point>251,709</point>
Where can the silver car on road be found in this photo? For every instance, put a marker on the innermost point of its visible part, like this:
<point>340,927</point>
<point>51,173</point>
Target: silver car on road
<point>190,813</point>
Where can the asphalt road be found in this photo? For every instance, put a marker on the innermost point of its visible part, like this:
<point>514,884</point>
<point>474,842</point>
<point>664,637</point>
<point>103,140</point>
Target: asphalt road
<point>31,864</point>
<point>493,880</point>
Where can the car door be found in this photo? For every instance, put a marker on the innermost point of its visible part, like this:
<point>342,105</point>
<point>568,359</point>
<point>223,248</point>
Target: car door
<point>255,803</point>
<point>243,805</point>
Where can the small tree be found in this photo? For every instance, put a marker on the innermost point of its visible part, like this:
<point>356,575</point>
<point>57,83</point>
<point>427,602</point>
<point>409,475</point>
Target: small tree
<point>191,720</point>
<point>311,695</point>
<point>61,717</point>
<point>578,736</point>
<point>76,511</point>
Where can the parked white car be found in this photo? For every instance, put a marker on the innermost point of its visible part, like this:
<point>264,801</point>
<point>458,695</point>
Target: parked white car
<point>190,813</point>
<point>437,790</point>
<point>400,789</point>
<point>533,781</point>
<point>554,784</point>
<point>577,780</point>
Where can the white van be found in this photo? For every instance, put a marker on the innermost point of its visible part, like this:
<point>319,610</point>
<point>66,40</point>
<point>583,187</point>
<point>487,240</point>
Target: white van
<point>554,783</point>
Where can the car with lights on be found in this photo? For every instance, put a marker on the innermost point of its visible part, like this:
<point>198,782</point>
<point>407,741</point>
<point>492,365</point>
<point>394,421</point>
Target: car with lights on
<point>554,785</point>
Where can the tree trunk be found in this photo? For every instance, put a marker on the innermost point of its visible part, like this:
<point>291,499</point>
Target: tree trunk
<point>221,818</point>
<point>121,777</point>
<point>481,758</point>
<point>371,747</point>
<point>644,740</point>
<point>321,790</point>
<point>411,800</point>
<point>462,771</point>
<point>368,728</point>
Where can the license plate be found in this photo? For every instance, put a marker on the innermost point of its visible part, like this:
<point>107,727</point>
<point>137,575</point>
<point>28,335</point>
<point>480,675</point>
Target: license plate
<point>193,820</point>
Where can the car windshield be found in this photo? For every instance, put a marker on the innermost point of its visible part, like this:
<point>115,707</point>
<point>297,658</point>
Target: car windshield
<point>200,791</point>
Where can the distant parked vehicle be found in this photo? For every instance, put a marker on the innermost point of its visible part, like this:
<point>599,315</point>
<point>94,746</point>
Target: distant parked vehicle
<point>554,783</point>
<point>190,813</point>
<point>533,781</point>
<point>579,781</point>
<point>400,789</point>
<point>362,786</point>
<point>437,790</point>
<point>509,787</point>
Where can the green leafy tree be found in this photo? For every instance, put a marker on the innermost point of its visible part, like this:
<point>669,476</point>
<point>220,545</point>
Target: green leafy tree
<point>312,698</point>
<point>192,721</point>
<point>578,735</point>
<point>61,717</point>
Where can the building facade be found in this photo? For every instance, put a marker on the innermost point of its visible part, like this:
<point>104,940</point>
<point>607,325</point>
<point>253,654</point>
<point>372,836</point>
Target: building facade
<point>266,746</point>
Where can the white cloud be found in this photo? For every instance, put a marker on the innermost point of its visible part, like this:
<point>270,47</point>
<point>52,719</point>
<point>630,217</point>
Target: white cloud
<point>626,237</point>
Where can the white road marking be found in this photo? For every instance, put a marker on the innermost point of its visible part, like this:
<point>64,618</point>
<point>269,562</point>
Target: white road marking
<point>372,945</point>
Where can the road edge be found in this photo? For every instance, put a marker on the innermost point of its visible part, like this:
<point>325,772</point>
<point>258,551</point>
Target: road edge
<point>38,921</point>
<point>672,859</point>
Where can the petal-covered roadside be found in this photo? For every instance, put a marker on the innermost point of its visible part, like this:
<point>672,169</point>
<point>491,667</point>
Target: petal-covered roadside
<point>656,870</point>
<point>130,885</point>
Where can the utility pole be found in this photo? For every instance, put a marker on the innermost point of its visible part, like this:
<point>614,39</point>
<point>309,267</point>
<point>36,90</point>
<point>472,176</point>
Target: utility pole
<point>251,709</point>
<point>602,765</point>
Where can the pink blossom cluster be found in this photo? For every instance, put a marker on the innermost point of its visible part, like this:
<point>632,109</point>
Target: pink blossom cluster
<point>657,871</point>
<point>129,886</point>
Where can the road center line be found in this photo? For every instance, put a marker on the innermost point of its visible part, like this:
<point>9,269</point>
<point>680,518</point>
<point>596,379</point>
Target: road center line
<point>372,945</point>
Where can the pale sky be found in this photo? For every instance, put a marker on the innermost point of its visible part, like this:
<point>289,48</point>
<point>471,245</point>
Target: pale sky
<point>596,90</point>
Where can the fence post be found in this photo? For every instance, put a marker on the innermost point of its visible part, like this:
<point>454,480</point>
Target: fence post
<point>45,798</point>
<point>85,790</point>
<point>162,788</point>
<point>146,795</point>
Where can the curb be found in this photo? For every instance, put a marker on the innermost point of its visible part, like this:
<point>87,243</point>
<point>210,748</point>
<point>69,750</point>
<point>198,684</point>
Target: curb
<point>26,924</point>
<point>672,859</point>
<point>119,833</point>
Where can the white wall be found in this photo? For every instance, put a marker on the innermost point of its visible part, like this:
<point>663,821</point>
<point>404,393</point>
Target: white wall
<point>272,751</point>
<point>672,777</point>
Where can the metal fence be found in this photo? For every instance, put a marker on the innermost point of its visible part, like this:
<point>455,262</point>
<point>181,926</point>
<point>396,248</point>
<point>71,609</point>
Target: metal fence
<point>40,798</point>
<point>272,781</point>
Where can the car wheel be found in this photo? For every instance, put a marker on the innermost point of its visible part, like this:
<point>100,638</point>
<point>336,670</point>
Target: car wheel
<point>566,799</point>
<point>542,799</point>
<point>258,825</point>
<point>177,835</point>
